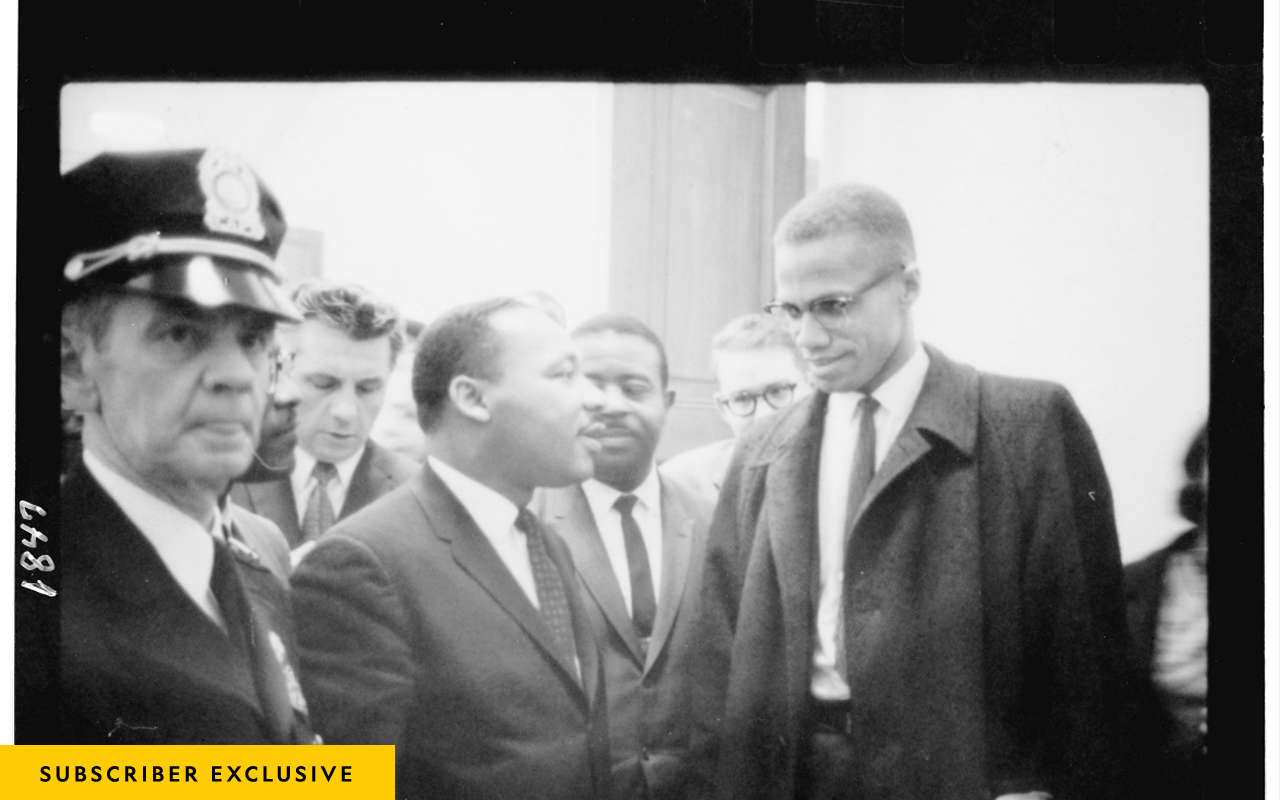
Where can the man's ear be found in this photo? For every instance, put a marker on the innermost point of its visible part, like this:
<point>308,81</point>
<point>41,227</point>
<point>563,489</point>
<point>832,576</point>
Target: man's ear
<point>910,284</point>
<point>467,395</point>
<point>79,390</point>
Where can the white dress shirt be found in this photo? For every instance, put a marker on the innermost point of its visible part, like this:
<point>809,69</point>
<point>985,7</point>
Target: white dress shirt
<point>495,515</point>
<point>185,547</point>
<point>647,513</point>
<point>304,483</point>
<point>896,396</point>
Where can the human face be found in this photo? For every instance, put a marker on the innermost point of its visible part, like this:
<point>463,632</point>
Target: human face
<point>876,338</point>
<point>174,397</point>
<point>752,372</point>
<point>341,383</point>
<point>540,407</point>
<point>626,370</point>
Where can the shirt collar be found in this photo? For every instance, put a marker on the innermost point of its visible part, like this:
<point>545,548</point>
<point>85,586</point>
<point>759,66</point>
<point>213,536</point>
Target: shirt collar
<point>183,544</point>
<point>492,512</point>
<point>896,396</point>
<point>601,496</point>
<point>304,463</point>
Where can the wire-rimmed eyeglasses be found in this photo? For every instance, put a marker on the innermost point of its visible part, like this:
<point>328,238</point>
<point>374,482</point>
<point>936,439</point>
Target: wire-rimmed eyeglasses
<point>743,404</point>
<point>279,361</point>
<point>830,312</point>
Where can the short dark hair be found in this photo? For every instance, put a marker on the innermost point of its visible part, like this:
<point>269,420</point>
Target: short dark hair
<point>1193,499</point>
<point>848,208</point>
<point>351,309</point>
<point>460,342</point>
<point>625,323</point>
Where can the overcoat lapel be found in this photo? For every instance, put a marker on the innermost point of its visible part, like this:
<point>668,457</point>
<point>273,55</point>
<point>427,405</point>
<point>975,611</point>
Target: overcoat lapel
<point>791,493</point>
<point>947,407</point>
<point>677,542</point>
<point>570,515</point>
<point>450,521</point>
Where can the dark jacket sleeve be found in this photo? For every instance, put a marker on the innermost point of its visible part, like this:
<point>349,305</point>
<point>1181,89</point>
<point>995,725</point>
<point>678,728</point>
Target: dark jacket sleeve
<point>357,666</point>
<point>1076,681</point>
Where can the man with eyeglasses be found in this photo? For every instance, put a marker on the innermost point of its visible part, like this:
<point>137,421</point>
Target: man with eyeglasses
<point>913,583</point>
<point>175,628</point>
<point>758,372</point>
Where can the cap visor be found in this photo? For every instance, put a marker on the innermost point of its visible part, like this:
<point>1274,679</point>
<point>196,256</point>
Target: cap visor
<point>213,282</point>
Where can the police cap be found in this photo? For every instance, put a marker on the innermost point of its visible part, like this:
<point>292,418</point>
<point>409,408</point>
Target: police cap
<point>190,224</point>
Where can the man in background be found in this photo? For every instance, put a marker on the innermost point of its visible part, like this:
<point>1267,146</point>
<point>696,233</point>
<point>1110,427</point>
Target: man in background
<point>638,541</point>
<point>174,628</point>
<point>444,619</point>
<point>342,356</point>
<point>758,372</point>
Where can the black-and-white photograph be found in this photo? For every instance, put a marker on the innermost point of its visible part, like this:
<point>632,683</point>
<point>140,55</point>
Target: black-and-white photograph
<point>820,438</point>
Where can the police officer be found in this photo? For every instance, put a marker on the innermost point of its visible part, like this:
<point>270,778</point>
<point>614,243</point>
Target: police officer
<point>173,630</point>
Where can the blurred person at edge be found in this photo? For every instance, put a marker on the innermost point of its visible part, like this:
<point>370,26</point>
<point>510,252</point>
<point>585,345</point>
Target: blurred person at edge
<point>175,628</point>
<point>1168,598</point>
<point>340,357</point>
<point>913,584</point>
<point>758,372</point>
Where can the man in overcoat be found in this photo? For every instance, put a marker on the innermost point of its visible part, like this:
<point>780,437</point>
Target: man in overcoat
<point>913,584</point>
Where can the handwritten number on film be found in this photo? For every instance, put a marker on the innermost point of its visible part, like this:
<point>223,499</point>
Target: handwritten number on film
<point>29,562</point>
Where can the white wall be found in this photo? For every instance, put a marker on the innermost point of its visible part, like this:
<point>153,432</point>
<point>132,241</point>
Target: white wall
<point>432,194</point>
<point>1063,233</point>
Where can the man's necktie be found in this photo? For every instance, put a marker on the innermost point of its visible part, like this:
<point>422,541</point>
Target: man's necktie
<point>553,602</point>
<point>319,515</point>
<point>864,467</point>
<point>643,605</point>
<point>248,637</point>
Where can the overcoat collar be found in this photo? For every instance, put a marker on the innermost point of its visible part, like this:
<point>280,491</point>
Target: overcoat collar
<point>448,519</point>
<point>946,412</point>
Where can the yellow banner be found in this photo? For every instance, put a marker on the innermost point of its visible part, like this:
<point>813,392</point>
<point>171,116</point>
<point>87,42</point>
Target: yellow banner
<point>198,771</point>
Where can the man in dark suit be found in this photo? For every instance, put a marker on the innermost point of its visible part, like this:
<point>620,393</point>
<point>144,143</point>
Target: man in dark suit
<point>913,584</point>
<point>443,618</point>
<point>175,623</point>
<point>342,356</point>
<point>638,541</point>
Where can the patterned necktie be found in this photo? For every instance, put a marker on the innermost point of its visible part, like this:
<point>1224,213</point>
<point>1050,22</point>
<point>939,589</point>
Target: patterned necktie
<point>864,467</point>
<point>319,516</point>
<point>553,602</point>
<point>643,605</point>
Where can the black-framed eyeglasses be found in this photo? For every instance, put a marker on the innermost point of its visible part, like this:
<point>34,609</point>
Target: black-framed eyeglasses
<point>743,404</point>
<point>830,312</point>
<point>279,361</point>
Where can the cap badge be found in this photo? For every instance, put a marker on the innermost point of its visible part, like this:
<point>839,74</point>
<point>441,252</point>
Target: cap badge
<point>231,196</point>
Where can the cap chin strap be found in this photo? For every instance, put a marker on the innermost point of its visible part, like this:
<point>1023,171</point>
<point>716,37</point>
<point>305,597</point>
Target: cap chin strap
<point>148,245</point>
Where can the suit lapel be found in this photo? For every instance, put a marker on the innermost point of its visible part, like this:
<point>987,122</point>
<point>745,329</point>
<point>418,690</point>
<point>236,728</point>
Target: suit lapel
<point>450,521</point>
<point>361,491</point>
<point>569,514</point>
<point>677,543</point>
<point>274,500</point>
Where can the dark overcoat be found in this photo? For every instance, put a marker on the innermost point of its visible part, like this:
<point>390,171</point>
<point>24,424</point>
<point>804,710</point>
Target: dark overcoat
<point>414,633</point>
<point>984,603</point>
